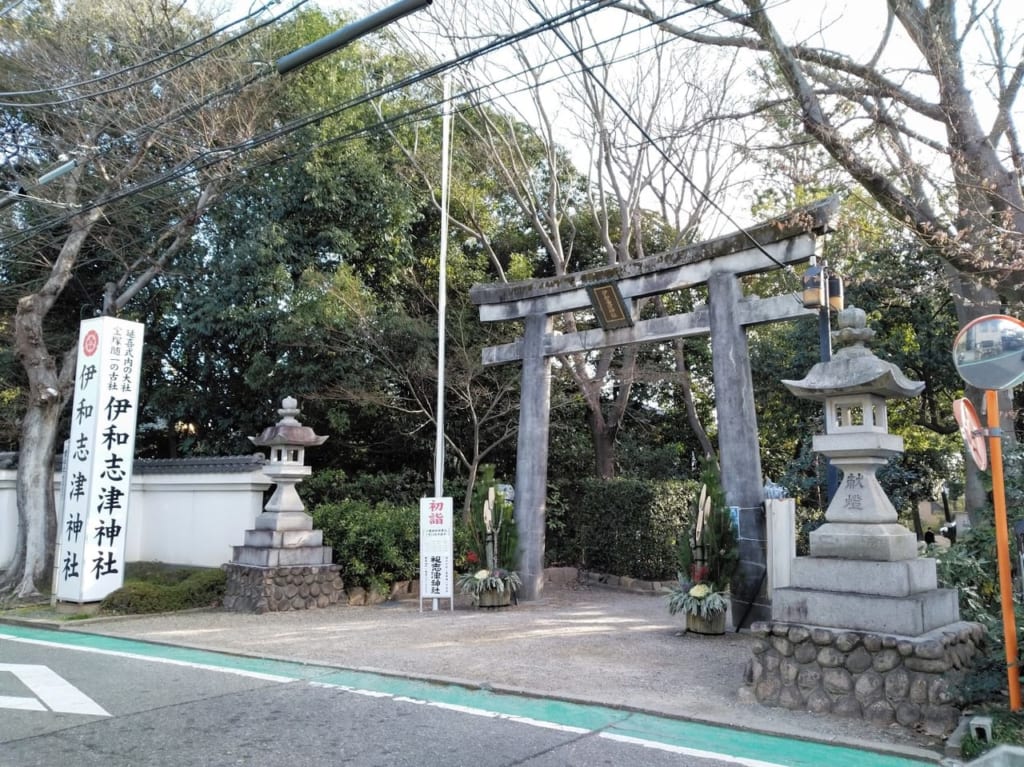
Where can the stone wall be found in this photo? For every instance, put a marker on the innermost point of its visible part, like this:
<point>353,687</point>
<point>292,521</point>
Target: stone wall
<point>279,589</point>
<point>882,678</point>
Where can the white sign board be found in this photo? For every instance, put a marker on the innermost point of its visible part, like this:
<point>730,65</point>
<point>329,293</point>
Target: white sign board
<point>99,467</point>
<point>436,543</point>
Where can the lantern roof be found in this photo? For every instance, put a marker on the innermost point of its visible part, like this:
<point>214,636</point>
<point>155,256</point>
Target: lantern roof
<point>288,431</point>
<point>854,369</point>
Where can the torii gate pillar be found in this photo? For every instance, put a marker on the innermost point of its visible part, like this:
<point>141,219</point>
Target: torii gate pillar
<point>737,433</point>
<point>532,455</point>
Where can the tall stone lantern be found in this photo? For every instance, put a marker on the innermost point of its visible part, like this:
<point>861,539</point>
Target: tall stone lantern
<point>283,564</point>
<point>861,523</point>
<point>862,629</point>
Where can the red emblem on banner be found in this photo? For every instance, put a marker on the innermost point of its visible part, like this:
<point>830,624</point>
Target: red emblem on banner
<point>91,343</point>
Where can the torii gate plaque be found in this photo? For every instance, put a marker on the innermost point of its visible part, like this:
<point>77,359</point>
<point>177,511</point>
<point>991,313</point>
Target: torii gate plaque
<point>720,263</point>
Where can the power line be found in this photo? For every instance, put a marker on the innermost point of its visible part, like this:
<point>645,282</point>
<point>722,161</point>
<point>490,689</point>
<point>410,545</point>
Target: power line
<point>11,7</point>
<point>408,116</point>
<point>588,71</point>
<point>210,158</point>
<point>154,76</point>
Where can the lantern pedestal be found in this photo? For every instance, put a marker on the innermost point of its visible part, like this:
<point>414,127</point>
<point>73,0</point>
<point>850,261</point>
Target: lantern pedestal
<point>253,589</point>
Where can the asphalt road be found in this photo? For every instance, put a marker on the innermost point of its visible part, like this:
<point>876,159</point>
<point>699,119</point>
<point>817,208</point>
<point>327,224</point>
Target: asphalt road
<point>73,699</point>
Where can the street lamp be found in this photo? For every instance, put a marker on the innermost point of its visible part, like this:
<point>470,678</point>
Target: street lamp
<point>823,290</point>
<point>815,284</point>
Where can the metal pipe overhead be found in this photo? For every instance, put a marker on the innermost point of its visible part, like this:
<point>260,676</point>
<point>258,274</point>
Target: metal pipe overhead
<point>347,34</point>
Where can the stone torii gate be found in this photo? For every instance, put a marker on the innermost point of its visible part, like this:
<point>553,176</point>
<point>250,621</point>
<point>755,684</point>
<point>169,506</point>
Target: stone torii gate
<point>720,263</point>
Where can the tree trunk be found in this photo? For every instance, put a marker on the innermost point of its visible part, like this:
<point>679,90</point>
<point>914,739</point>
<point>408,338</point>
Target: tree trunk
<point>686,387</point>
<point>604,445</point>
<point>472,469</point>
<point>32,565</point>
<point>49,387</point>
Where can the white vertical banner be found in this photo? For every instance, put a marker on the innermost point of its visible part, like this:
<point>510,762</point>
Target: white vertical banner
<point>99,467</point>
<point>436,544</point>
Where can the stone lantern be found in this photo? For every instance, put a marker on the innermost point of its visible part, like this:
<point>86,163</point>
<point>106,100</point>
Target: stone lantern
<point>287,440</point>
<point>861,521</point>
<point>283,564</point>
<point>862,628</point>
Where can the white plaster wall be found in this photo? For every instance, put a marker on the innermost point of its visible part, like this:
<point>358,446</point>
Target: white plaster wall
<point>8,516</point>
<point>191,519</point>
<point>184,519</point>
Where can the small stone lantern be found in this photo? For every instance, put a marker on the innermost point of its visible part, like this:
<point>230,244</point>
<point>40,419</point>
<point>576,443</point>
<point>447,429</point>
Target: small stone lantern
<point>287,440</point>
<point>854,386</point>
<point>283,564</point>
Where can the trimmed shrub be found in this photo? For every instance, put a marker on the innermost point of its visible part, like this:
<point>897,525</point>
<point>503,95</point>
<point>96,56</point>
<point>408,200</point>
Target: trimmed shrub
<point>629,526</point>
<point>136,597</point>
<point>334,486</point>
<point>155,588</point>
<point>204,588</point>
<point>375,544</point>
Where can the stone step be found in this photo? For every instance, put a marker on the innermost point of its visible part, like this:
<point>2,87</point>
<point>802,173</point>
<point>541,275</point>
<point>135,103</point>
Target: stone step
<point>890,579</point>
<point>910,615</point>
<point>269,557</point>
<point>284,520</point>
<point>278,539</point>
<point>872,542</point>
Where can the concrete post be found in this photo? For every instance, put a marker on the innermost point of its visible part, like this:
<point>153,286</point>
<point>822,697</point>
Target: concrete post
<point>532,456</point>
<point>738,449</point>
<point>781,520</point>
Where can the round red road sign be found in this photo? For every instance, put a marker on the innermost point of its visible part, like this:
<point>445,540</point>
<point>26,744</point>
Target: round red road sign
<point>970,428</point>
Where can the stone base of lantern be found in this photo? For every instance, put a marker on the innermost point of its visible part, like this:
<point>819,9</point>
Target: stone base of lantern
<point>890,579</point>
<point>888,542</point>
<point>893,597</point>
<point>913,614</point>
<point>282,540</point>
<point>880,677</point>
<point>254,589</point>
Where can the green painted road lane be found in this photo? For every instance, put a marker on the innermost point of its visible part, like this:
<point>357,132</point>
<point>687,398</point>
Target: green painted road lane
<point>733,746</point>
<point>166,653</point>
<point>742,744</point>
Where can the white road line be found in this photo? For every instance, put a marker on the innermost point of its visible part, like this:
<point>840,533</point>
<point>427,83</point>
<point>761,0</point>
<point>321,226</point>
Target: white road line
<point>57,694</point>
<point>682,750</point>
<point>700,753</point>
<point>22,704</point>
<point>155,659</point>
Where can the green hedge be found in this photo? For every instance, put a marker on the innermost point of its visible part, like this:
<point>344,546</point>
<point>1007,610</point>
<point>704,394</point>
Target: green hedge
<point>375,544</point>
<point>150,588</point>
<point>625,526</point>
<point>620,526</point>
<point>401,488</point>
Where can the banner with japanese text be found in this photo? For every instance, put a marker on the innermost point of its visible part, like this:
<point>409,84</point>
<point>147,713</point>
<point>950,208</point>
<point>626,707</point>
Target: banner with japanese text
<point>436,544</point>
<point>99,465</point>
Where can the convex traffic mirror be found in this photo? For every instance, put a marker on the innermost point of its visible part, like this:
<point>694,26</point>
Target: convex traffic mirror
<point>989,352</point>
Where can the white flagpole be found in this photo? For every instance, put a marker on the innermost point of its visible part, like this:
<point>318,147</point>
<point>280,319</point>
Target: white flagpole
<point>442,288</point>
